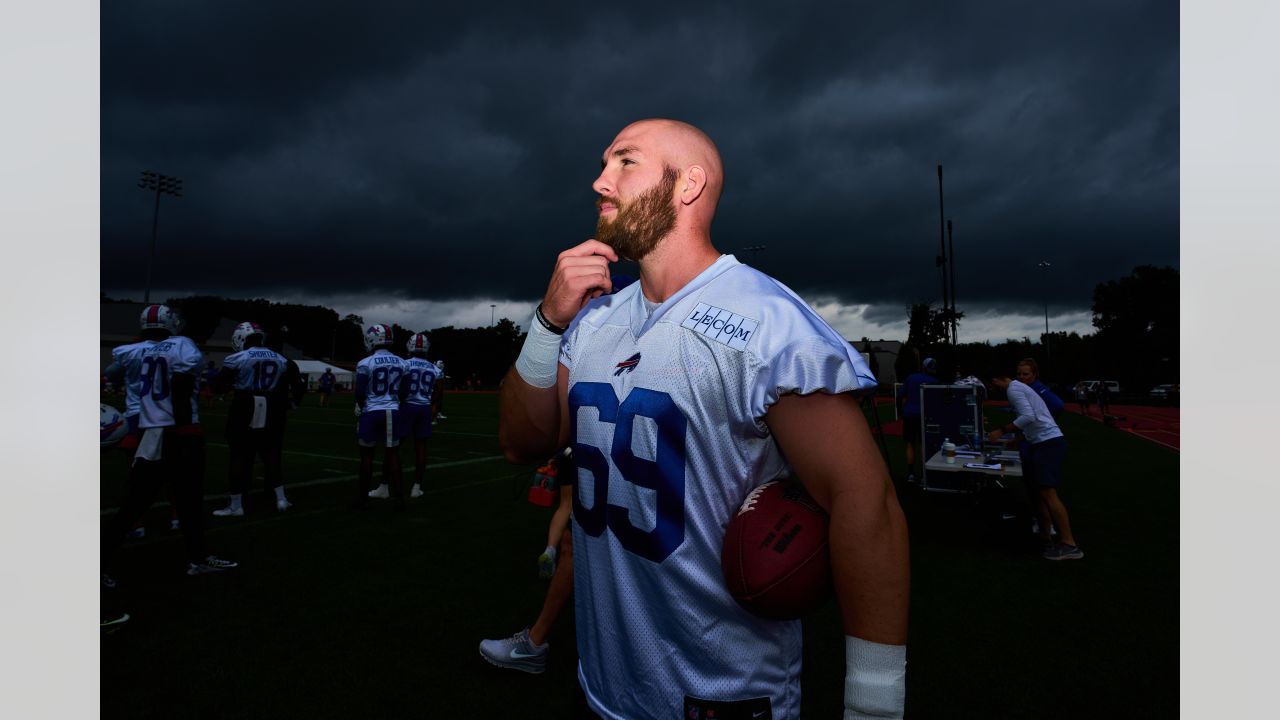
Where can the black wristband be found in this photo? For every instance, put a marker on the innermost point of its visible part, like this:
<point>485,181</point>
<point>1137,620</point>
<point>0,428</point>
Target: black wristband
<point>547,323</point>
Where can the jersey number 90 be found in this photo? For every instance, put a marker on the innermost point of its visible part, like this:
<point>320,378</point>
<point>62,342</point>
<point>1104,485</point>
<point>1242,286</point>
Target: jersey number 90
<point>664,474</point>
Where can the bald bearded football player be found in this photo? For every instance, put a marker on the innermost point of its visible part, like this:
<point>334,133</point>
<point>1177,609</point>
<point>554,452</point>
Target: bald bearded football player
<point>680,394</point>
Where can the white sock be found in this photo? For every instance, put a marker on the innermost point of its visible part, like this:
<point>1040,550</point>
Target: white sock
<point>235,501</point>
<point>280,494</point>
<point>551,551</point>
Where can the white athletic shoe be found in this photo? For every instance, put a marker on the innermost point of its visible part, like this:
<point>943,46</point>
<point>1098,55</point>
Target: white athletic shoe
<point>381,493</point>
<point>516,652</point>
<point>229,511</point>
<point>283,505</point>
<point>416,491</point>
<point>211,564</point>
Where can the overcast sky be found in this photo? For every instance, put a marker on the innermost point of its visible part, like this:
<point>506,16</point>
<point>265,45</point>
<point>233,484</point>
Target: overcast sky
<point>417,164</point>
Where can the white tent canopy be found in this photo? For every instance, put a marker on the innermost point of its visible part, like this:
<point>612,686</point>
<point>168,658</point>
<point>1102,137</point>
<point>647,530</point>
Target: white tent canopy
<point>313,369</point>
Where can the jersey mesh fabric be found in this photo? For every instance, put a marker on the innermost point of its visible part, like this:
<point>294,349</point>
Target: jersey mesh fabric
<point>164,360</point>
<point>670,444</point>
<point>129,357</point>
<point>422,375</point>
<point>384,370</point>
<point>251,369</point>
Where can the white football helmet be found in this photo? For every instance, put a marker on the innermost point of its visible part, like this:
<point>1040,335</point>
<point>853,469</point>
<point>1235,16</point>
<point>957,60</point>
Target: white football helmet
<point>243,332</point>
<point>160,317</point>
<point>112,425</point>
<point>378,335</point>
<point>419,343</point>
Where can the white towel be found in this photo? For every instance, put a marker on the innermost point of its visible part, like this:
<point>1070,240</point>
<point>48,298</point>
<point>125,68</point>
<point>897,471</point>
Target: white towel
<point>983,466</point>
<point>151,444</point>
<point>259,420</point>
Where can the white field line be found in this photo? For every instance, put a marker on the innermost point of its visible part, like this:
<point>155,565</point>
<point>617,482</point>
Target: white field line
<point>347,478</point>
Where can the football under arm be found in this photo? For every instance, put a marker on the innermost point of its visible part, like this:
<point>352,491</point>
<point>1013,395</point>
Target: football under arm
<point>532,421</point>
<point>843,470</point>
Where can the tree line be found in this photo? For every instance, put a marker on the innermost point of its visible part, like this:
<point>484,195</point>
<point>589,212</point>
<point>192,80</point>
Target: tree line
<point>1135,342</point>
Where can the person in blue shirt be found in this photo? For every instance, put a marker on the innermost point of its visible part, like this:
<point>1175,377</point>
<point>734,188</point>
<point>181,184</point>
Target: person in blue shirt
<point>1051,399</point>
<point>910,395</point>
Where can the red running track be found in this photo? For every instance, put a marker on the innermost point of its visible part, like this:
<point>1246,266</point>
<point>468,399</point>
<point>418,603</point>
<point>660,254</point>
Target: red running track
<point>1157,424</point>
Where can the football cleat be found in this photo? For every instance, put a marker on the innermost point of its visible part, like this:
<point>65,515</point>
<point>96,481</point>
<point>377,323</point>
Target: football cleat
<point>160,317</point>
<point>419,343</point>
<point>378,335</point>
<point>380,493</point>
<point>243,332</point>
<point>229,511</point>
<point>283,505</point>
<point>416,491</point>
<point>138,532</point>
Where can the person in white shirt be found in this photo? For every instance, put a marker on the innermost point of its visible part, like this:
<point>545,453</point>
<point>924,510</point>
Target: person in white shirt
<point>1043,465</point>
<point>681,394</point>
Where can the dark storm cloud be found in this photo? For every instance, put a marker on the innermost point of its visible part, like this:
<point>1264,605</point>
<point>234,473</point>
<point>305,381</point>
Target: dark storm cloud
<point>443,153</point>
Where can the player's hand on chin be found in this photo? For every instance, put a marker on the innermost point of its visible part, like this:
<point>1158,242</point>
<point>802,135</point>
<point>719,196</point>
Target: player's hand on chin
<point>581,275</point>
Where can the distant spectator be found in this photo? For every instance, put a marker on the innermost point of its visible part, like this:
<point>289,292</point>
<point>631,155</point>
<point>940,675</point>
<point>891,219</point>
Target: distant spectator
<point>910,395</point>
<point>325,386</point>
<point>1104,398</point>
<point>207,377</point>
<point>1032,379</point>
<point>1082,397</point>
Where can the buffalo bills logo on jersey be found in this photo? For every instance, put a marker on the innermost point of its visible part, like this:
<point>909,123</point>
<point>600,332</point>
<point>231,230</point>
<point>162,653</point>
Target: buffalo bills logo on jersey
<point>723,326</point>
<point>627,365</point>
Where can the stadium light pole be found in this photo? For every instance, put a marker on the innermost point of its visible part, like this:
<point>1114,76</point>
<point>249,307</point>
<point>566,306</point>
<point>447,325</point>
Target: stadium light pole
<point>161,185</point>
<point>941,260</point>
<point>1045,265</point>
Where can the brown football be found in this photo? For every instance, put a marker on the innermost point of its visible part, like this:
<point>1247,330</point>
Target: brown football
<point>776,561</point>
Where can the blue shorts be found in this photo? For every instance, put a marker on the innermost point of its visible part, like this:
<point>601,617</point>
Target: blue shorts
<point>379,428</point>
<point>416,421</point>
<point>1044,462</point>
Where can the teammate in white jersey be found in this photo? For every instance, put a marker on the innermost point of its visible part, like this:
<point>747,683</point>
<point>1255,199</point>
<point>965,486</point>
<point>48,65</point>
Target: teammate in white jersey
<point>422,381</point>
<point>255,424</point>
<point>172,444</point>
<point>681,394</point>
<point>379,391</point>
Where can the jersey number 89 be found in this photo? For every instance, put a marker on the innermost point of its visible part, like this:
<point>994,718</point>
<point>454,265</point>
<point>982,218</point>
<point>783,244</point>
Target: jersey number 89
<point>664,474</point>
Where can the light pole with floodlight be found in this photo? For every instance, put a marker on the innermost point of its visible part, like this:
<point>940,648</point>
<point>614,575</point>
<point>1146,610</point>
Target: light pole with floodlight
<point>161,185</point>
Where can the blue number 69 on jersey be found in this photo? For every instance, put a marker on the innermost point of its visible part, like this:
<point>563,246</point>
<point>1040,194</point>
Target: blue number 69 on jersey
<point>664,474</point>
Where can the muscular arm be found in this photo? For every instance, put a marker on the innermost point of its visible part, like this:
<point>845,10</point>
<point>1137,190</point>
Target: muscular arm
<point>532,422</point>
<point>844,472</point>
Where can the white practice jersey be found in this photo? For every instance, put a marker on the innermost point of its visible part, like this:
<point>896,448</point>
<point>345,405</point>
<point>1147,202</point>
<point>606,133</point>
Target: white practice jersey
<point>383,370</point>
<point>258,369</point>
<point>160,363</point>
<point>667,418</point>
<point>422,376</point>
<point>129,357</point>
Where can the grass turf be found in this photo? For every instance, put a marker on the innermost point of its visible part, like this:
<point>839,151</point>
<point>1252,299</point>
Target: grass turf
<point>338,614</point>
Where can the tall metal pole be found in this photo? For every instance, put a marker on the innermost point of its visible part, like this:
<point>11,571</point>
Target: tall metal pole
<point>951,251</point>
<point>162,185</point>
<point>151,259</point>
<point>941,260</point>
<point>1045,265</point>
<point>491,311</point>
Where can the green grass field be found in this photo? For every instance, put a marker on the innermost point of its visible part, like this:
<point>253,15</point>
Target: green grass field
<point>376,614</point>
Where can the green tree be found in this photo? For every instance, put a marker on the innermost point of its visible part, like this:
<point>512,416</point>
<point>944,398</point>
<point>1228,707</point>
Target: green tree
<point>1137,320</point>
